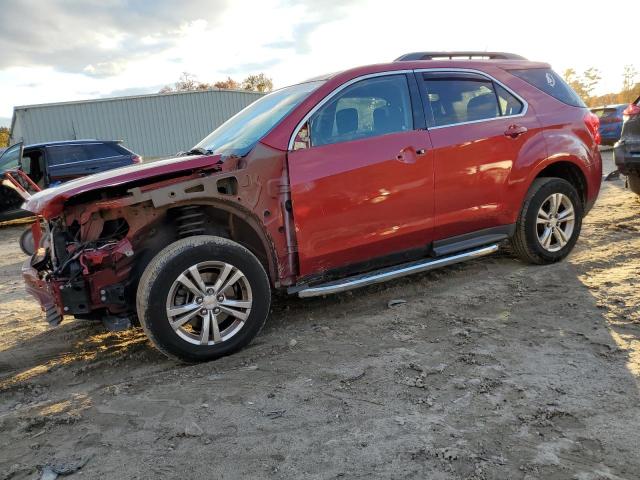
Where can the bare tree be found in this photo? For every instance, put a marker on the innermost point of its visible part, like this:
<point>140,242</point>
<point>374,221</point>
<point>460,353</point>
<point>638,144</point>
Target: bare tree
<point>584,85</point>
<point>258,83</point>
<point>590,79</point>
<point>630,88</point>
<point>5,133</point>
<point>189,82</point>
<point>229,84</point>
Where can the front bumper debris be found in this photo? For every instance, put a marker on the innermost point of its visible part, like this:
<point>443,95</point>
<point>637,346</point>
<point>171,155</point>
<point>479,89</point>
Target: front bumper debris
<point>43,291</point>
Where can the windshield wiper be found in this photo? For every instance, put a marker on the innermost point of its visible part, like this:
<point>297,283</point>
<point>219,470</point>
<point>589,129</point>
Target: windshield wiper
<point>196,151</point>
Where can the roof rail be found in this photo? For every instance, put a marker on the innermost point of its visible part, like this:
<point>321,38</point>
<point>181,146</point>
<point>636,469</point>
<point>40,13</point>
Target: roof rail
<point>451,55</point>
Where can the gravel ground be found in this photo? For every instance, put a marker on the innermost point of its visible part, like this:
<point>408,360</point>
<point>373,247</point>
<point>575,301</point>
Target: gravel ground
<point>487,370</point>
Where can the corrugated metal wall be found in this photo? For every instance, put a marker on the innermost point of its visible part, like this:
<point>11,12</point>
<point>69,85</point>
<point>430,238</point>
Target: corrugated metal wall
<point>151,125</point>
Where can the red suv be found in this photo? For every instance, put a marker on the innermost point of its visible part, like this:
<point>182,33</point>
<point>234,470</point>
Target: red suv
<point>342,181</point>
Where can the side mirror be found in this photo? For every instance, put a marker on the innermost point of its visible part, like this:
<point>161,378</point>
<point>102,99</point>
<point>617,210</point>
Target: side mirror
<point>25,165</point>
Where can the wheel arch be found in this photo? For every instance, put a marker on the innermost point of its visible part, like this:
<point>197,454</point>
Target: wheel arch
<point>242,226</point>
<point>568,169</point>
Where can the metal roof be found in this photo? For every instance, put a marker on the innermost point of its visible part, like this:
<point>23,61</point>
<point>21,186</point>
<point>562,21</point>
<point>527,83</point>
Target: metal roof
<point>151,125</point>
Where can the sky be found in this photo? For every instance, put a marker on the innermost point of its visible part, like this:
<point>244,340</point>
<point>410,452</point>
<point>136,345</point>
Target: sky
<point>61,50</point>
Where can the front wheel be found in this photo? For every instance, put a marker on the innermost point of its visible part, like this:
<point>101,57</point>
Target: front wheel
<point>549,223</point>
<point>27,243</point>
<point>203,297</point>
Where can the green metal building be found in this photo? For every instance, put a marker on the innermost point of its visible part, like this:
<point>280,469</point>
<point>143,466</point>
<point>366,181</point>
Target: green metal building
<point>150,125</point>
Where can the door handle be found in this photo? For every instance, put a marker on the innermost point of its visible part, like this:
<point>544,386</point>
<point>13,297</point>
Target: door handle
<point>514,131</point>
<point>409,154</point>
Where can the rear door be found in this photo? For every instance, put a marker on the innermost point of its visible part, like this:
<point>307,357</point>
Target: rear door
<point>71,160</point>
<point>361,176</point>
<point>478,129</point>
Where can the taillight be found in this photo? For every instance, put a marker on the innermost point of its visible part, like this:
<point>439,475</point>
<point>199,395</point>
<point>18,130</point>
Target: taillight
<point>136,159</point>
<point>593,125</point>
<point>631,111</point>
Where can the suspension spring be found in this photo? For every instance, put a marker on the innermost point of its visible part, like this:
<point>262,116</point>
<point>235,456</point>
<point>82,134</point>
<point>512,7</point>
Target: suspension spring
<point>190,221</point>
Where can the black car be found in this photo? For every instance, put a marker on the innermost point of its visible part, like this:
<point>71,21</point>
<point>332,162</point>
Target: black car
<point>627,150</point>
<point>52,163</point>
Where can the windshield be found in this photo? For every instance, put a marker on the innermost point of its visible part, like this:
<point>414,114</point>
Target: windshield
<point>10,159</point>
<point>240,133</point>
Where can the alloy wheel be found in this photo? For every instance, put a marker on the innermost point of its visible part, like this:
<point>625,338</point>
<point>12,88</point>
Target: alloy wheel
<point>209,303</point>
<point>555,222</point>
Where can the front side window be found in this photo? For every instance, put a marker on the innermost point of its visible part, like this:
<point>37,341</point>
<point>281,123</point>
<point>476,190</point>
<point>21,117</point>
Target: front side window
<point>10,159</point>
<point>370,107</point>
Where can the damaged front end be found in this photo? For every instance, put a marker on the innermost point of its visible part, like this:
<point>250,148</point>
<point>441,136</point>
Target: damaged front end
<point>85,264</point>
<point>100,233</point>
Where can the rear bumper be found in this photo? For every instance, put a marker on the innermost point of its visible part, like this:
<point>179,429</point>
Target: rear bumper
<point>610,136</point>
<point>627,156</point>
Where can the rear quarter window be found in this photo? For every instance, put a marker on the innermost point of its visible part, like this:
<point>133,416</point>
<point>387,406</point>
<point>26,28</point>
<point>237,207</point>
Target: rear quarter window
<point>103,150</point>
<point>550,83</point>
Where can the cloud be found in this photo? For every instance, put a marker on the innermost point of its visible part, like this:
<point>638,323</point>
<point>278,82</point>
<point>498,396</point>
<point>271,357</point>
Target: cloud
<point>242,68</point>
<point>97,38</point>
<point>5,122</point>
<point>127,92</point>
<point>314,14</point>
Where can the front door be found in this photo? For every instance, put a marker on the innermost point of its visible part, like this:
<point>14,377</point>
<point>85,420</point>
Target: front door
<point>478,129</point>
<point>362,182</point>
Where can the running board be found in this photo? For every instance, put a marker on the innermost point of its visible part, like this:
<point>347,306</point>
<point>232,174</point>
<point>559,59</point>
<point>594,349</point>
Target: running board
<point>391,273</point>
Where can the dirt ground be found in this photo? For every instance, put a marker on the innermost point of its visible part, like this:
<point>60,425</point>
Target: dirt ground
<point>491,370</point>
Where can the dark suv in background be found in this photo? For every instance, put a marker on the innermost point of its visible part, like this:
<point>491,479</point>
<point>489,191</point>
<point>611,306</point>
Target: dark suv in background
<point>50,164</point>
<point>627,150</point>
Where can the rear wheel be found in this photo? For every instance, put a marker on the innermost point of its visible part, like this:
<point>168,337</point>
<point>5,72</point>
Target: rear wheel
<point>633,182</point>
<point>203,297</point>
<point>549,223</point>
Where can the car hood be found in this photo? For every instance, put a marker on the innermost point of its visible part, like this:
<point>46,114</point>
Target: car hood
<point>49,202</point>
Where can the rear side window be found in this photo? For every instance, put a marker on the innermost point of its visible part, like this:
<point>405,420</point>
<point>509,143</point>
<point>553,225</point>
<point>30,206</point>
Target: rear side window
<point>509,104</point>
<point>551,83</point>
<point>66,154</point>
<point>461,97</point>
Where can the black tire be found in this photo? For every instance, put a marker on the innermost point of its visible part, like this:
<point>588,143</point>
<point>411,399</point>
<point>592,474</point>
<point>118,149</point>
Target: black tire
<point>525,242</point>
<point>633,182</point>
<point>159,276</point>
<point>27,242</point>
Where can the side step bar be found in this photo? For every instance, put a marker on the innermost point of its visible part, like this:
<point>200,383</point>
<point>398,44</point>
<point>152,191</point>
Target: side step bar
<point>391,273</point>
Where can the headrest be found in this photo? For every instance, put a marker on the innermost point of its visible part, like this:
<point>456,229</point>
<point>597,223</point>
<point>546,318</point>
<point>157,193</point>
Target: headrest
<point>347,120</point>
<point>482,106</point>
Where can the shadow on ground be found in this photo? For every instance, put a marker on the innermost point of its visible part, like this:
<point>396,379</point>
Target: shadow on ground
<point>490,370</point>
